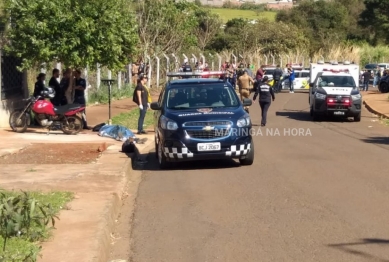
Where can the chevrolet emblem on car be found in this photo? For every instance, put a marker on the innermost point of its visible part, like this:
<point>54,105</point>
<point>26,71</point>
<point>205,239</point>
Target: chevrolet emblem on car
<point>208,128</point>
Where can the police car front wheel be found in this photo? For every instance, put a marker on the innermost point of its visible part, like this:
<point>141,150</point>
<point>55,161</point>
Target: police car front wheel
<point>163,163</point>
<point>249,159</point>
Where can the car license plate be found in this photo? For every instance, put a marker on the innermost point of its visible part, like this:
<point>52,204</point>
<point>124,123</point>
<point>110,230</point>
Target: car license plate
<point>208,147</point>
<point>339,113</point>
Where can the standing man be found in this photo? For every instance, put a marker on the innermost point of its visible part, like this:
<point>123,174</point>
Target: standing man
<point>291,78</point>
<point>277,77</point>
<point>366,79</point>
<point>39,85</point>
<point>266,95</point>
<point>79,94</point>
<point>244,82</point>
<point>59,95</point>
<point>141,98</point>
<point>186,68</point>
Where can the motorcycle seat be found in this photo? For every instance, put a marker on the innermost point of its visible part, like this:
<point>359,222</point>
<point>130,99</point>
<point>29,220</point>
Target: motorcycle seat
<point>60,110</point>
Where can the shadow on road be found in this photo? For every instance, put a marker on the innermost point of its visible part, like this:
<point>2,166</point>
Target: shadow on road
<point>377,140</point>
<point>295,115</point>
<point>149,162</point>
<point>301,115</point>
<point>346,247</point>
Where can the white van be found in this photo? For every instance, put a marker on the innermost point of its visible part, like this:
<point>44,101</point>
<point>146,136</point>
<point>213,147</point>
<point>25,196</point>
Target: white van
<point>384,66</point>
<point>301,80</point>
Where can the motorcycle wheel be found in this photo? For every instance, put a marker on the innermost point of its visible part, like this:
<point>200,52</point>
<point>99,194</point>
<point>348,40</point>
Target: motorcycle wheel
<point>18,125</point>
<point>73,126</point>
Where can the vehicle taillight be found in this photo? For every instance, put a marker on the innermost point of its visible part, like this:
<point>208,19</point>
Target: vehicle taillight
<point>331,101</point>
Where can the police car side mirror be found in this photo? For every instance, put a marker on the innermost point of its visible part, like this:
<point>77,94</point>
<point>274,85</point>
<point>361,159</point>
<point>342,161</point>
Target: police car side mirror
<point>155,106</point>
<point>247,102</point>
<point>311,84</point>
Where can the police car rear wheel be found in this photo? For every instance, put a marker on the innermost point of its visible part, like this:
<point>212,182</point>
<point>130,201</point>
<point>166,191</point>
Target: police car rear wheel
<point>249,160</point>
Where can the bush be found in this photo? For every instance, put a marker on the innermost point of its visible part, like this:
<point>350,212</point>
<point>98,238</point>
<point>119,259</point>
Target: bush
<point>25,219</point>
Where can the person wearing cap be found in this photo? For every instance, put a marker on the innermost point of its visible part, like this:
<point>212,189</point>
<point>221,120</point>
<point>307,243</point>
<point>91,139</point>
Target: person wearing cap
<point>39,85</point>
<point>244,84</point>
<point>266,96</point>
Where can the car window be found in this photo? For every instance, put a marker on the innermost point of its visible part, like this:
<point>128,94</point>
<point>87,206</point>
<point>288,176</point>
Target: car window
<point>161,97</point>
<point>214,95</point>
<point>336,81</point>
<point>304,74</point>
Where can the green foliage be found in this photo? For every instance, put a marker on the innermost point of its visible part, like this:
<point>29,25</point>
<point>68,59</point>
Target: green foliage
<point>24,220</point>
<point>245,6</point>
<point>323,22</point>
<point>130,119</point>
<point>208,25</point>
<point>76,33</point>
<point>264,36</point>
<point>100,95</point>
<point>376,18</point>
<point>166,26</point>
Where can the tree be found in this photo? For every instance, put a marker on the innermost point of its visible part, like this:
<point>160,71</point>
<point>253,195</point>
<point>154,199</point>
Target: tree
<point>323,22</point>
<point>78,33</point>
<point>208,26</point>
<point>376,19</point>
<point>166,26</point>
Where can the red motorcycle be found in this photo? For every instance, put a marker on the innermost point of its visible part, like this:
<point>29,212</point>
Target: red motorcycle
<point>47,115</point>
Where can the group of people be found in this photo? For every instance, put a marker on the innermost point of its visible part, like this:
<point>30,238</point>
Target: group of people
<point>70,90</point>
<point>377,74</point>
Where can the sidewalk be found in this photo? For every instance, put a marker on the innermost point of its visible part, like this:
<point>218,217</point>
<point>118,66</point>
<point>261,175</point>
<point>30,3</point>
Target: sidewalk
<point>377,103</point>
<point>83,232</point>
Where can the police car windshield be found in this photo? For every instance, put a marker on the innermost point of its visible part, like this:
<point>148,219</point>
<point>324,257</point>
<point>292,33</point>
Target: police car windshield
<point>336,81</point>
<point>199,96</point>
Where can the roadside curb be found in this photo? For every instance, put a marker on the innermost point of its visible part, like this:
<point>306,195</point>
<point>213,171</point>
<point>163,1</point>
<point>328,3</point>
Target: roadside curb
<point>113,207</point>
<point>373,110</point>
<point>11,151</point>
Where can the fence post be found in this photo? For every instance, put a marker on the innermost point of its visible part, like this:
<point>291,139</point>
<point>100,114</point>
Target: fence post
<point>195,58</point>
<point>176,62</point>
<point>167,66</point>
<point>129,74</point>
<point>109,74</point>
<point>213,63</point>
<point>287,61</point>
<point>203,58</point>
<point>98,76</point>
<point>157,58</point>
<point>273,60</point>
<point>185,57</point>
<point>220,61</point>
<point>234,58</point>
<point>119,76</point>
<point>280,60</point>
<point>241,56</point>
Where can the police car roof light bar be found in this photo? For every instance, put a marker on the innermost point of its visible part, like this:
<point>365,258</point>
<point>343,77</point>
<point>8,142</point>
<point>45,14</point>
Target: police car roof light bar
<point>197,74</point>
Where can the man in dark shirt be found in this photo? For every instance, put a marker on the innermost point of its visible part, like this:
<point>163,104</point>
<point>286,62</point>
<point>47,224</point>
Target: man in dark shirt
<point>57,88</point>
<point>39,85</point>
<point>141,99</point>
<point>366,79</point>
<point>266,95</point>
<point>79,94</point>
<point>277,77</point>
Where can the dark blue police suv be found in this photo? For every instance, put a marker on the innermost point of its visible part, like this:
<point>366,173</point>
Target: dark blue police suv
<point>199,117</point>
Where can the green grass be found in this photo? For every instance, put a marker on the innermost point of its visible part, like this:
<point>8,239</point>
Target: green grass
<point>21,248</point>
<point>130,119</point>
<point>228,14</point>
<point>101,95</point>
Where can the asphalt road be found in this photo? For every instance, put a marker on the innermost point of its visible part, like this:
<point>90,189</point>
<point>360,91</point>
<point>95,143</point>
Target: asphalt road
<point>322,195</point>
